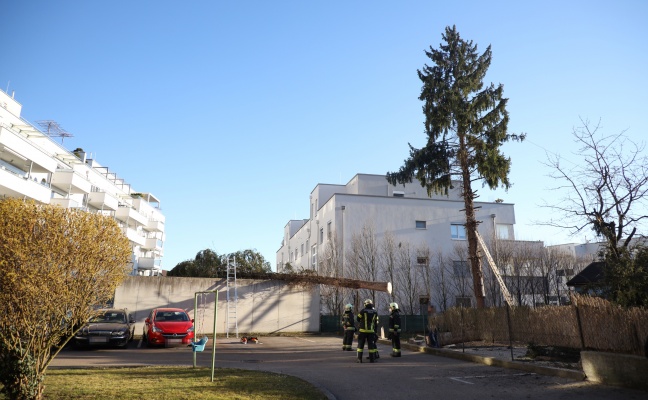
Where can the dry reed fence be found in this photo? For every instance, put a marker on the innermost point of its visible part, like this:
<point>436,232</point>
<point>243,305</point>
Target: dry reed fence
<point>589,323</point>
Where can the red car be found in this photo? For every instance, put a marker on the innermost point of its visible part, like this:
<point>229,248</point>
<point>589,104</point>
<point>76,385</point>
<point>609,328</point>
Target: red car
<point>168,327</point>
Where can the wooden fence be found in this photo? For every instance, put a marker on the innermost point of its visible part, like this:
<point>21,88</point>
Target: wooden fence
<point>589,323</point>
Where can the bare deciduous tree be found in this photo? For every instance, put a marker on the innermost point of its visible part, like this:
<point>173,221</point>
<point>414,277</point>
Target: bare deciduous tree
<point>440,290</point>
<point>423,262</point>
<point>364,259</point>
<point>388,259</point>
<point>461,281</point>
<point>409,286</point>
<point>332,297</point>
<point>606,191</point>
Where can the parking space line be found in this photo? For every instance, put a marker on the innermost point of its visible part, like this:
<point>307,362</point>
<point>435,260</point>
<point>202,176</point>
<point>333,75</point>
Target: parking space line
<point>461,379</point>
<point>297,337</point>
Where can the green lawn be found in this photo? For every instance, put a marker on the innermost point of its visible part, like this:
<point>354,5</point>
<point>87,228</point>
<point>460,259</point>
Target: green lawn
<point>161,383</point>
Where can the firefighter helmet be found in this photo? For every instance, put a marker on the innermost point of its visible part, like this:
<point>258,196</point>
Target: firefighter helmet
<point>348,307</point>
<point>367,302</point>
<point>393,306</point>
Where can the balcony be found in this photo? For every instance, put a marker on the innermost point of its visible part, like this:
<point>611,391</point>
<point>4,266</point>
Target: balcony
<point>70,182</point>
<point>14,146</point>
<point>149,263</point>
<point>103,201</point>
<point>66,203</point>
<point>20,186</point>
<point>154,244</point>
<point>128,215</point>
<point>134,236</point>
<point>155,226</point>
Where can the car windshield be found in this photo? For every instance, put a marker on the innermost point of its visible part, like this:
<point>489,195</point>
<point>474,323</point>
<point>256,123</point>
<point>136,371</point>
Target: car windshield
<point>110,317</point>
<point>162,316</point>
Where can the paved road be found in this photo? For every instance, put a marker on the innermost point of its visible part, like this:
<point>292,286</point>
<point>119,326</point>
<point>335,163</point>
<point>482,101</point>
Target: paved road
<point>321,361</point>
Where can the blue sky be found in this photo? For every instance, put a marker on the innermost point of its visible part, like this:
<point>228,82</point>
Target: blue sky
<point>232,112</point>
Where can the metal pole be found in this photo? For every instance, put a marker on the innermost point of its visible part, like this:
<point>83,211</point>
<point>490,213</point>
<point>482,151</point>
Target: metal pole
<point>214,334</point>
<point>194,324</point>
<point>510,329</point>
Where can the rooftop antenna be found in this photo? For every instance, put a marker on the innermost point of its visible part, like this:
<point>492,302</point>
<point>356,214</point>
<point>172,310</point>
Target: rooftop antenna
<point>53,129</point>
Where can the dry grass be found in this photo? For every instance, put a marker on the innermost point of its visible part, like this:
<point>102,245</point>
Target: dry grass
<point>162,383</point>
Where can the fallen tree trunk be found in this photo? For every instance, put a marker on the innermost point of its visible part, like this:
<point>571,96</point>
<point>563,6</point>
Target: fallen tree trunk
<point>333,281</point>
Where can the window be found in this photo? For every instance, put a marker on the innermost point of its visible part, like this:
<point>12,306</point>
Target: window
<point>463,301</point>
<point>565,272</point>
<point>421,225</point>
<point>457,231</point>
<point>321,236</point>
<point>398,194</point>
<point>314,257</point>
<point>460,268</point>
<point>328,230</point>
<point>421,260</point>
<point>302,249</point>
<point>503,231</point>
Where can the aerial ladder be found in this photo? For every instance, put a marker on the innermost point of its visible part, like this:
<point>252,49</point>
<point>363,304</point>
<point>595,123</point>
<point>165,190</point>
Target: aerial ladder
<point>496,272</point>
<point>232,297</point>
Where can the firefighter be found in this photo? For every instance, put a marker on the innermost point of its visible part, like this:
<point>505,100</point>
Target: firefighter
<point>367,319</point>
<point>375,336</point>
<point>394,329</point>
<point>348,324</point>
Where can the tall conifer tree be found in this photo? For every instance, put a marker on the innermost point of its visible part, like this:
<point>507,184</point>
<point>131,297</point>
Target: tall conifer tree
<point>466,124</point>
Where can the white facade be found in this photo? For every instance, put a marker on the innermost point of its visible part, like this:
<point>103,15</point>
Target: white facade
<point>33,166</point>
<point>405,211</point>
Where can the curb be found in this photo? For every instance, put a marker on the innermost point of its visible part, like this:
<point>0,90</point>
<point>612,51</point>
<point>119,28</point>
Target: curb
<point>519,365</point>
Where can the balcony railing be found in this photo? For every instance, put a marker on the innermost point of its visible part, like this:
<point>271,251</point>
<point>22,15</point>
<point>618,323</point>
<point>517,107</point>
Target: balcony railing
<point>70,182</point>
<point>127,214</point>
<point>13,185</point>
<point>155,226</point>
<point>103,200</point>
<point>134,236</point>
<point>149,263</point>
<point>67,203</point>
<point>153,244</point>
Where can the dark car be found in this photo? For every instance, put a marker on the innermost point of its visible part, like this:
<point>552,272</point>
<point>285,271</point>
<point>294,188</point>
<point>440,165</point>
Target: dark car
<point>110,327</point>
<point>168,327</point>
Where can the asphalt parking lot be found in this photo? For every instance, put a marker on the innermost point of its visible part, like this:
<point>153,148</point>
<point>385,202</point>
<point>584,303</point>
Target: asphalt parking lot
<point>321,361</point>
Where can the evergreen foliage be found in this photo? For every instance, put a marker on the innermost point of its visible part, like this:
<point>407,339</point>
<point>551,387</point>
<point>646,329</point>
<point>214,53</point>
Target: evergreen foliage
<point>466,124</point>
<point>626,277</point>
<point>209,264</point>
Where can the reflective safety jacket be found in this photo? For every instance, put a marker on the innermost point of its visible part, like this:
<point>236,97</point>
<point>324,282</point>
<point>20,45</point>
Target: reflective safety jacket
<point>348,323</point>
<point>394,321</point>
<point>367,320</point>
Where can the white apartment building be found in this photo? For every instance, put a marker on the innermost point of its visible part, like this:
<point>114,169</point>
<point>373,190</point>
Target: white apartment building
<point>405,211</point>
<point>34,166</point>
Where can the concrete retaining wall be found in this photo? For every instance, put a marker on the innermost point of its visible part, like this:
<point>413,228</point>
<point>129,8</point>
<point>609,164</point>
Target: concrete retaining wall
<point>262,306</point>
<point>615,369</point>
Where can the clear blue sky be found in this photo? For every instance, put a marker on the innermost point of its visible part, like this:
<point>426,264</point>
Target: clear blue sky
<point>231,112</point>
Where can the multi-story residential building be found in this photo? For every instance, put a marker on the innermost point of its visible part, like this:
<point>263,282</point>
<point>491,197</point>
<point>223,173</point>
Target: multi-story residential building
<point>34,166</point>
<point>405,211</point>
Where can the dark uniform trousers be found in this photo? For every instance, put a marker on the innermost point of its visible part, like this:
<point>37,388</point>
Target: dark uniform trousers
<point>367,322</point>
<point>349,329</point>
